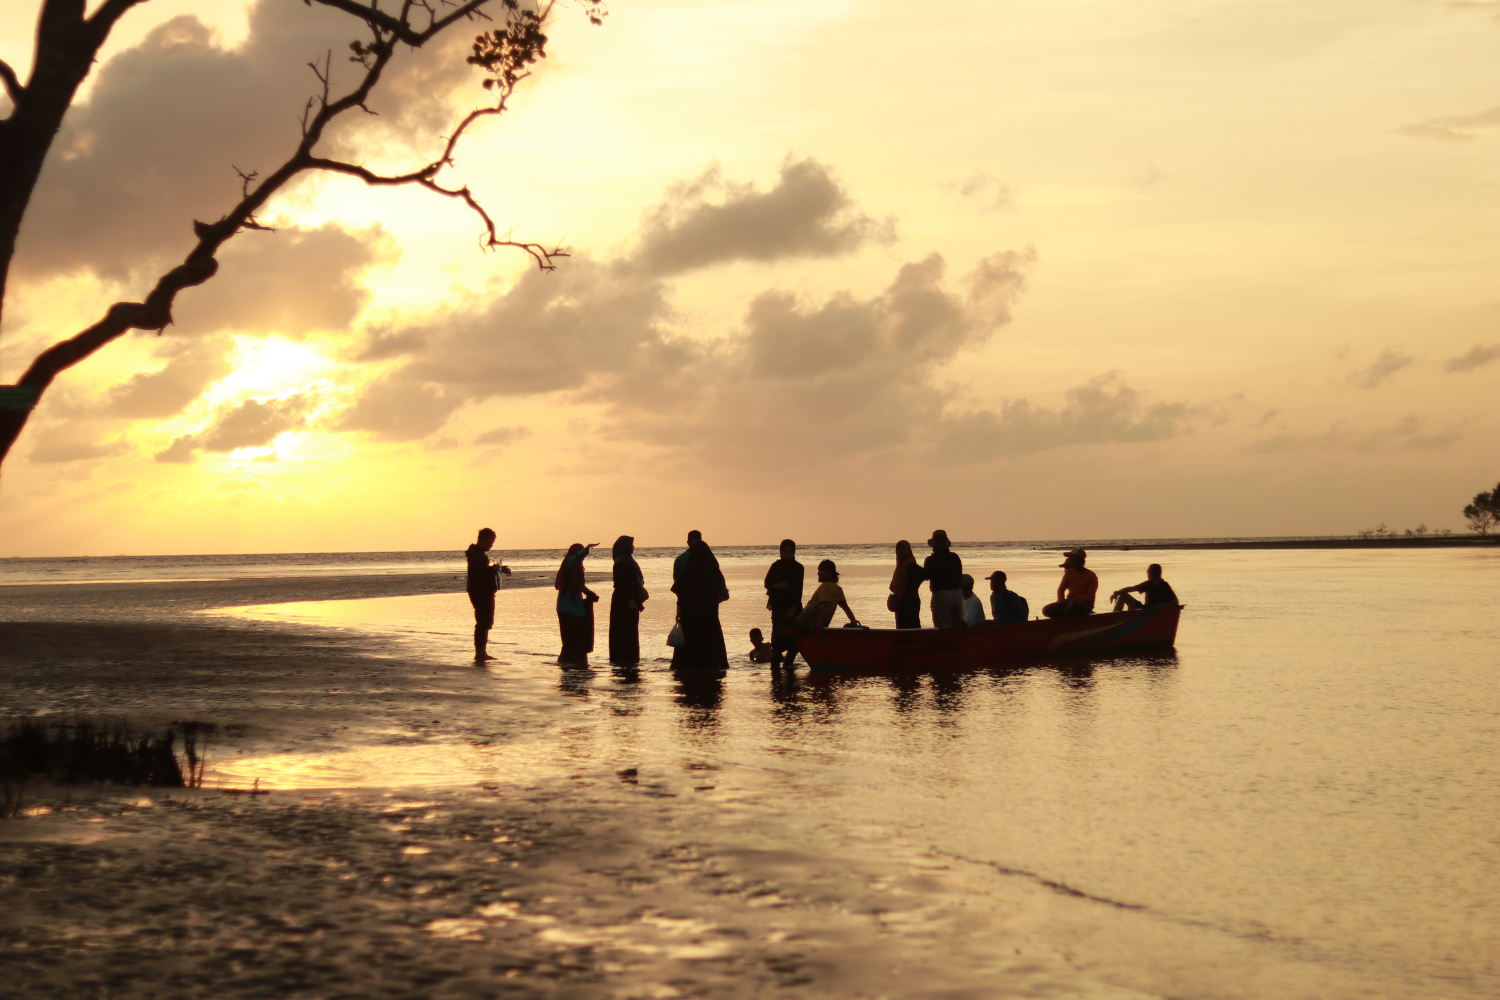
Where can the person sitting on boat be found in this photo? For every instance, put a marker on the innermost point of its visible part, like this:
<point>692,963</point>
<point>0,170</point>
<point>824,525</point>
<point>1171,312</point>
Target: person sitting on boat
<point>824,601</point>
<point>945,576</point>
<point>1154,589</point>
<point>1006,606</point>
<point>973,606</point>
<point>1076,593</point>
<point>762,652</point>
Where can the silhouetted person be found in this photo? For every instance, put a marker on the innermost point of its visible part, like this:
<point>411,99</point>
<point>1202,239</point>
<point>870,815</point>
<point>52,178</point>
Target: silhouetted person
<point>783,591</point>
<point>626,604</point>
<point>1006,606</point>
<point>945,576</point>
<point>973,606</point>
<point>760,649</point>
<point>827,599</point>
<point>906,597</point>
<point>482,581</point>
<point>575,607</point>
<point>1076,592</point>
<point>1154,589</point>
<point>699,585</point>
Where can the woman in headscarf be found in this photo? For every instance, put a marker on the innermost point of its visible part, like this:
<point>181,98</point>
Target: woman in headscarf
<point>904,599</point>
<point>699,585</point>
<point>625,605</point>
<point>575,607</point>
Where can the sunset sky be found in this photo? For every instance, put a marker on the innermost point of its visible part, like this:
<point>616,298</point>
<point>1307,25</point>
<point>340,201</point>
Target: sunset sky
<point>846,270</point>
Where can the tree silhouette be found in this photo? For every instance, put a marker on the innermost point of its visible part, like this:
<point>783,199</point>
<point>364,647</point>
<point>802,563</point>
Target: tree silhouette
<point>1484,512</point>
<point>67,44</point>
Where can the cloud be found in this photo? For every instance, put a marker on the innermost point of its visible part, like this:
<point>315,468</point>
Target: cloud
<point>291,282</point>
<point>986,192</point>
<point>1103,410</point>
<point>1454,128</point>
<point>191,366</point>
<point>169,120</point>
<point>397,408</point>
<point>1475,357</point>
<point>1381,369</point>
<point>501,436</point>
<point>74,441</point>
<point>1407,434</point>
<point>253,423</point>
<point>807,214</point>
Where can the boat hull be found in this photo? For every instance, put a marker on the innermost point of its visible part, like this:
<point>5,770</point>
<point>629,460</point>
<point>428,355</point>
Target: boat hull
<point>927,649</point>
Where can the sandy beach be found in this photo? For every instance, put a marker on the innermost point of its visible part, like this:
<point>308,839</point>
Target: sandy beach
<point>630,881</point>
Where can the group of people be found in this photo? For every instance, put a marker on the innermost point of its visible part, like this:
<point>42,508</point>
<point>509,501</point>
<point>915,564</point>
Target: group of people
<point>699,585</point>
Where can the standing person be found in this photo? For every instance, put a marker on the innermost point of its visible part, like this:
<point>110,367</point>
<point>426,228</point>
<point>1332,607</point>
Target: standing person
<point>906,583</point>
<point>1006,606</point>
<point>1076,592</point>
<point>482,581</point>
<point>783,591</point>
<point>699,585</point>
<point>973,606</point>
<point>575,607</point>
<point>1154,589</point>
<point>945,576</point>
<point>626,604</point>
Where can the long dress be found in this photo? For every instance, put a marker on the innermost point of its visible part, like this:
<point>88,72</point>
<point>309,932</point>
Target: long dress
<point>625,613</point>
<point>575,611</point>
<point>909,604</point>
<point>699,585</point>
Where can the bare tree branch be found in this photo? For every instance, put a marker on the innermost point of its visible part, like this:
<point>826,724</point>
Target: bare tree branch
<point>505,54</point>
<point>13,88</point>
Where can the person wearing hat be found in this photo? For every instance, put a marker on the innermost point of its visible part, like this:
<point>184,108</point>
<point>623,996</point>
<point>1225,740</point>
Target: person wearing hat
<point>945,575</point>
<point>1075,595</point>
<point>1006,606</point>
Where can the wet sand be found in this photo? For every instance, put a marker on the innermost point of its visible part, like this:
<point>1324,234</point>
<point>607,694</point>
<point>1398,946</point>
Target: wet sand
<point>625,881</point>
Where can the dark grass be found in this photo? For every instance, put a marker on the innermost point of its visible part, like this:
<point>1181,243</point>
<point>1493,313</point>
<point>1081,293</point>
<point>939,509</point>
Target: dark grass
<point>85,752</point>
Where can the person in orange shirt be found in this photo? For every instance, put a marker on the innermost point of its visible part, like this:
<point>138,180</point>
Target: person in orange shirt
<point>1075,595</point>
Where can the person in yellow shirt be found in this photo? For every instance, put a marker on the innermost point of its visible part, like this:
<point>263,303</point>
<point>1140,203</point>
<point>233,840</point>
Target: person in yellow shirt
<point>825,600</point>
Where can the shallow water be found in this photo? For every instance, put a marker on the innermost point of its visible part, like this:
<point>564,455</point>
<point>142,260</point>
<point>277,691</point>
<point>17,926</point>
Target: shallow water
<point>1303,795</point>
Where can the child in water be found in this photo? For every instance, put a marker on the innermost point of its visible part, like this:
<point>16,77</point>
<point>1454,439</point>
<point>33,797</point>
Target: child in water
<point>825,600</point>
<point>762,651</point>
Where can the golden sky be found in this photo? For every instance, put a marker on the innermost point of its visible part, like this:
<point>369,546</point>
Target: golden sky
<point>845,271</point>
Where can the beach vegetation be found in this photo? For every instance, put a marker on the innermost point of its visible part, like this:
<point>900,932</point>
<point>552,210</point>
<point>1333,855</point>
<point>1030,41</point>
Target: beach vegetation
<point>86,752</point>
<point>68,42</point>
<point>1483,512</point>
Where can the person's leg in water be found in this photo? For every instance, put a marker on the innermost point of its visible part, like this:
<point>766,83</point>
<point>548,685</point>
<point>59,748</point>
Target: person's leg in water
<point>484,620</point>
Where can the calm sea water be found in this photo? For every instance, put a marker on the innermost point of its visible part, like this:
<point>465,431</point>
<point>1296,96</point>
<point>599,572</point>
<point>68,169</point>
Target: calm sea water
<point>1303,799</point>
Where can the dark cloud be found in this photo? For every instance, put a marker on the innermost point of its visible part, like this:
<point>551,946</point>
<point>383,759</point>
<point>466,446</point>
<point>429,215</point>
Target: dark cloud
<point>500,436</point>
<point>396,408</point>
<point>253,423</point>
<point>807,214</point>
<point>1381,369</point>
<point>75,441</point>
<point>1475,357</point>
<point>191,366</point>
<point>1103,410</point>
<point>1407,434</point>
<point>168,121</point>
<point>1454,128</point>
<point>291,282</point>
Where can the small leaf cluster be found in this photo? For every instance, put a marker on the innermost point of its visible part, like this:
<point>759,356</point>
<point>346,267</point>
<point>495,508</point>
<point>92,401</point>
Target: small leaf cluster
<point>506,53</point>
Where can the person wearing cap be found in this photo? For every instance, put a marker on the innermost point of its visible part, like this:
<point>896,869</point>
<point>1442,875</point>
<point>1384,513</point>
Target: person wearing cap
<point>1075,595</point>
<point>945,576</point>
<point>1007,606</point>
<point>973,606</point>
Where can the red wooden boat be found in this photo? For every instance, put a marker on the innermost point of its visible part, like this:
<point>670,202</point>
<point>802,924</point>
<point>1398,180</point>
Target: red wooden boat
<point>930,648</point>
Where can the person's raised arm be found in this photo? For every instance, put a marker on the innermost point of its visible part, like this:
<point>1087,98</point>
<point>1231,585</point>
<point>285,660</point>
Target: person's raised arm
<point>844,603</point>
